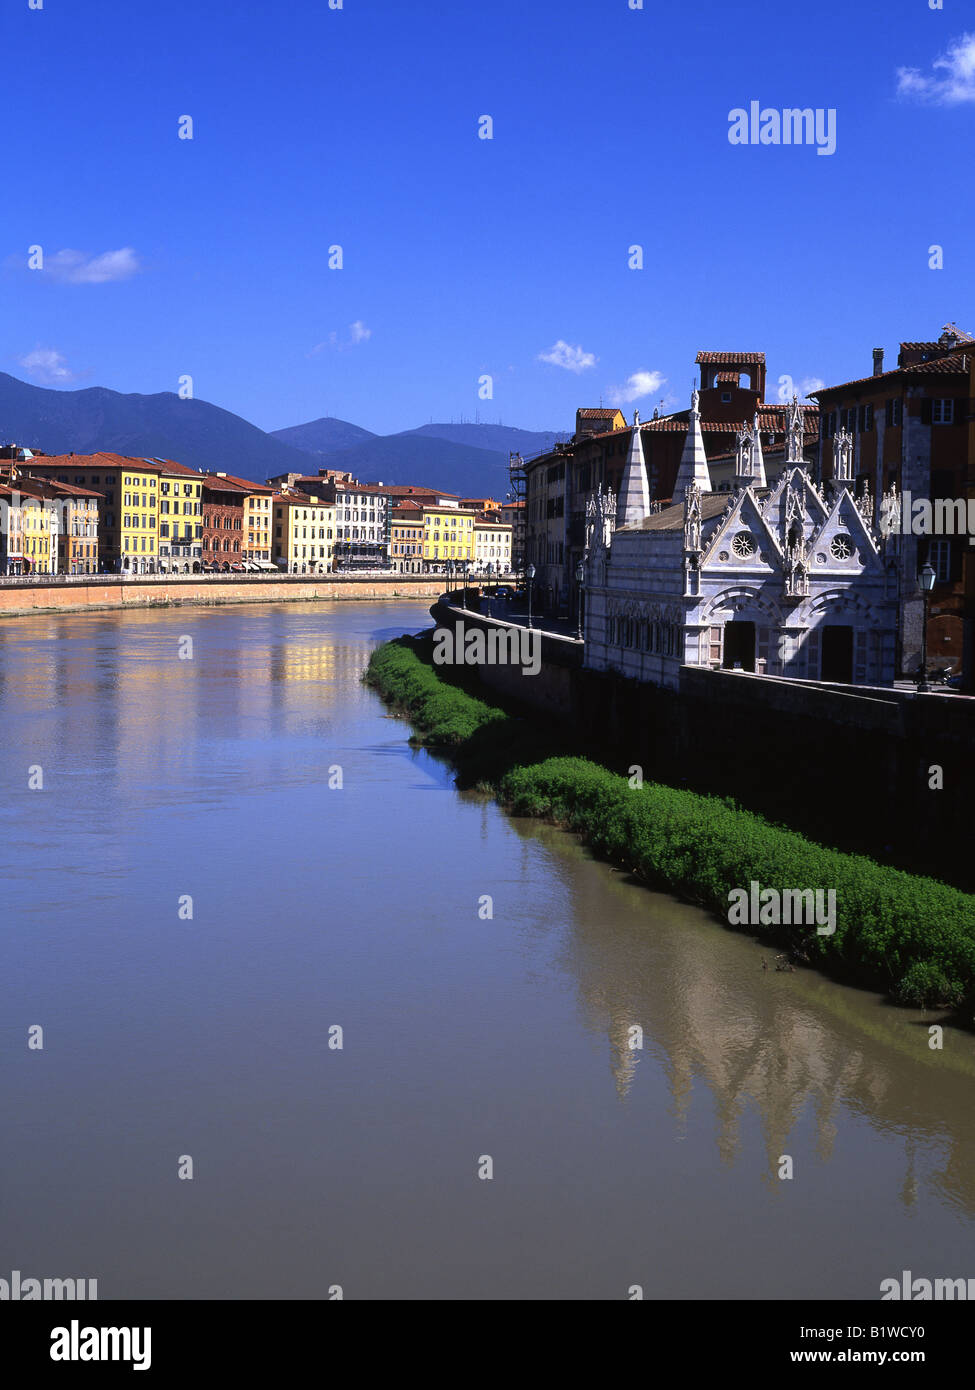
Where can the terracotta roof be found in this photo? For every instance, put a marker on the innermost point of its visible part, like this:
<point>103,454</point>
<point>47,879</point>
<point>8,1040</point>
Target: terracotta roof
<point>591,413</point>
<point>171,466</point>
<point>727,376</point>
<point>672,518</point>
<point>212,483</point>
<point>102,459</point>
<point>395,490</point>
<point>771,419</point>
<point>954,365</point>
<point>960,339</point>
<point>355,487</point>
<point>52,485</point>
<point>769,451</point>
<point>302,499</point>
<point>242,482</point>
<point>730,358</point>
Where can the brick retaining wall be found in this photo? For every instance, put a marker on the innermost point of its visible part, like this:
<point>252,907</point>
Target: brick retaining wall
<point>147,592</point>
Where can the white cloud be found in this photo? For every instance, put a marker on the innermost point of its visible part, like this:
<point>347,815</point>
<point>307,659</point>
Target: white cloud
<point>573,359</point>
<point>78,268</point>
<point>808,384</point>
<point>358,333</point>
<point>47,365</point>
<point>952,79</point>
<point>637,386</point>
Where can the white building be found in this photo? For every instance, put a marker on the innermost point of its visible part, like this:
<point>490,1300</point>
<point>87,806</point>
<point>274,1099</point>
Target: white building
<point>492,545</point>
<point>787,581</point>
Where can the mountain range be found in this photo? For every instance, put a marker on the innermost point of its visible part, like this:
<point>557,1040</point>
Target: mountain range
<point>467,459</point>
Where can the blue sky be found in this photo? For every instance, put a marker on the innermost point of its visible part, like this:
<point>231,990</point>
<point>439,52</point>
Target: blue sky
<point>463,257</point>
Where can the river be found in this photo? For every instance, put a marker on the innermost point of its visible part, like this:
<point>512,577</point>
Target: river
<point>191,911</point>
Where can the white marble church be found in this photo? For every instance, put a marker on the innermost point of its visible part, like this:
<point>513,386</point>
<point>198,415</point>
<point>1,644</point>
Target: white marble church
<point>787,581</point>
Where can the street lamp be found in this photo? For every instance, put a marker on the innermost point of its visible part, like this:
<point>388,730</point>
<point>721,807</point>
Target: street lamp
<point>927,579</point>
<point>467,566</point>
<point>580,578</point>
<point>530,576</point>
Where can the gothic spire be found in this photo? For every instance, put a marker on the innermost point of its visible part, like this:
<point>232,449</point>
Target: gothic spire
<point>633,503</point>
<point>750,464</point>
<point>693,461</point>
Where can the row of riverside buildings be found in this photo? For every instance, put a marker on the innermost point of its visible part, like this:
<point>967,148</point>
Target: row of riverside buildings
<point>781,537</point>
<point>79,514</point>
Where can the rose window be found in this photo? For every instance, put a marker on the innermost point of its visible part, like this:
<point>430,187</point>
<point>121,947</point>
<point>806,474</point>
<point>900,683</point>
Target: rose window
<point>743,545</point>
<point>841,548</point>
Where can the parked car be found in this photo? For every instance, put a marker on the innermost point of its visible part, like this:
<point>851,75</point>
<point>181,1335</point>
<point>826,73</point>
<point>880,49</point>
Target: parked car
<point>504,591</point>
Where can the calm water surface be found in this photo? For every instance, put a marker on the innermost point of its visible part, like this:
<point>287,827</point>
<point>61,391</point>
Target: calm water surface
<point>359,907</point>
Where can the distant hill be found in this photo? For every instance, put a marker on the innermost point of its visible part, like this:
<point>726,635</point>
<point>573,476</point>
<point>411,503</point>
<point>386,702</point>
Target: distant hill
<point>424,459</point>
<point>469,460</point>
<point>158,426</point>
<point>497,438</point>
<point>323,436</point>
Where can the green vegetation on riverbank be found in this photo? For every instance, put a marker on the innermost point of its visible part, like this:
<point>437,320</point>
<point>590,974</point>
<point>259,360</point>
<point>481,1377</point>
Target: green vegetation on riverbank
<point>912,936</point>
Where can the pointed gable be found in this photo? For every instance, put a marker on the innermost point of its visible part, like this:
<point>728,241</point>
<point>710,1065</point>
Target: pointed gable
<point>843,529</point>
<point>744,536</point>
<point>633,503</point>
<point>693,461</point>
<point>794,488</point>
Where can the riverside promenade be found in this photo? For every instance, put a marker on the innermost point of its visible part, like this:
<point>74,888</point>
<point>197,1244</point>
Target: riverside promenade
<point>55,593</point>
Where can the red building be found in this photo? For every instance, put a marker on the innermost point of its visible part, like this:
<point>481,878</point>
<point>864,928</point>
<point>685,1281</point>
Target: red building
<point>223,522</point>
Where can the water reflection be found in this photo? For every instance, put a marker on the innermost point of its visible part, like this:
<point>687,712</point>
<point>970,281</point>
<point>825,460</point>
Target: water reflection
<point>776,1045</point>
<point>510,1036</point>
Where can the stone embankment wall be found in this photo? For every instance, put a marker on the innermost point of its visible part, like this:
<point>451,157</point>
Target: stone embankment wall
<point>154,592</point>
<point>885,772</point>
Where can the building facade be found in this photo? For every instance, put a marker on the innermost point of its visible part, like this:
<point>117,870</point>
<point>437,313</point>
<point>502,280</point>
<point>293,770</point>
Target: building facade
<point>77,524</point>
<point>363,517</point>
<point>128,526</point>
<point>513,512</point>
<point>909,427</point>
<point>223,522</point>
<point>406,538</point>
<point>558,484</point>
<point>180,518</point>
<point>789,581</point>
<point>303,533</point>
<point>492,544</point>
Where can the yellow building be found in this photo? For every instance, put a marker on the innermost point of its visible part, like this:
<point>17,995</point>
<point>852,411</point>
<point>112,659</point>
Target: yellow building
<point>128,521</point>
<point>303,534</point>
<point>180,518</point>
<point>257,523</point>
<point>39,531</point>
<point>448,534</point>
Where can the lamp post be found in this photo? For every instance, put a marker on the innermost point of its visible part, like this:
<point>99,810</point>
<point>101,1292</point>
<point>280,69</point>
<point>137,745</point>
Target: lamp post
<point>530,576</point>
<point>467,566</point>
<point>927,578</point>
<point>580,578</point>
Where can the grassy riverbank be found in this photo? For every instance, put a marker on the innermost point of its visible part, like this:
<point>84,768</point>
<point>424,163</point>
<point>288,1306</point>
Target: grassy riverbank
<point>913,937</point>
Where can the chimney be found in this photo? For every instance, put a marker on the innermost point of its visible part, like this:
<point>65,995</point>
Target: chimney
<point>878,361</point>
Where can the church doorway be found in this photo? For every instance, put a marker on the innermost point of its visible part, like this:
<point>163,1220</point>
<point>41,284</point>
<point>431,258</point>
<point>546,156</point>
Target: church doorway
<point>739,645</point>
<point>836,663</point>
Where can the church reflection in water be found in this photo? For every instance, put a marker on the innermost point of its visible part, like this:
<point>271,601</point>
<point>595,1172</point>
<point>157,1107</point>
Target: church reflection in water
<point>764,1045</point>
